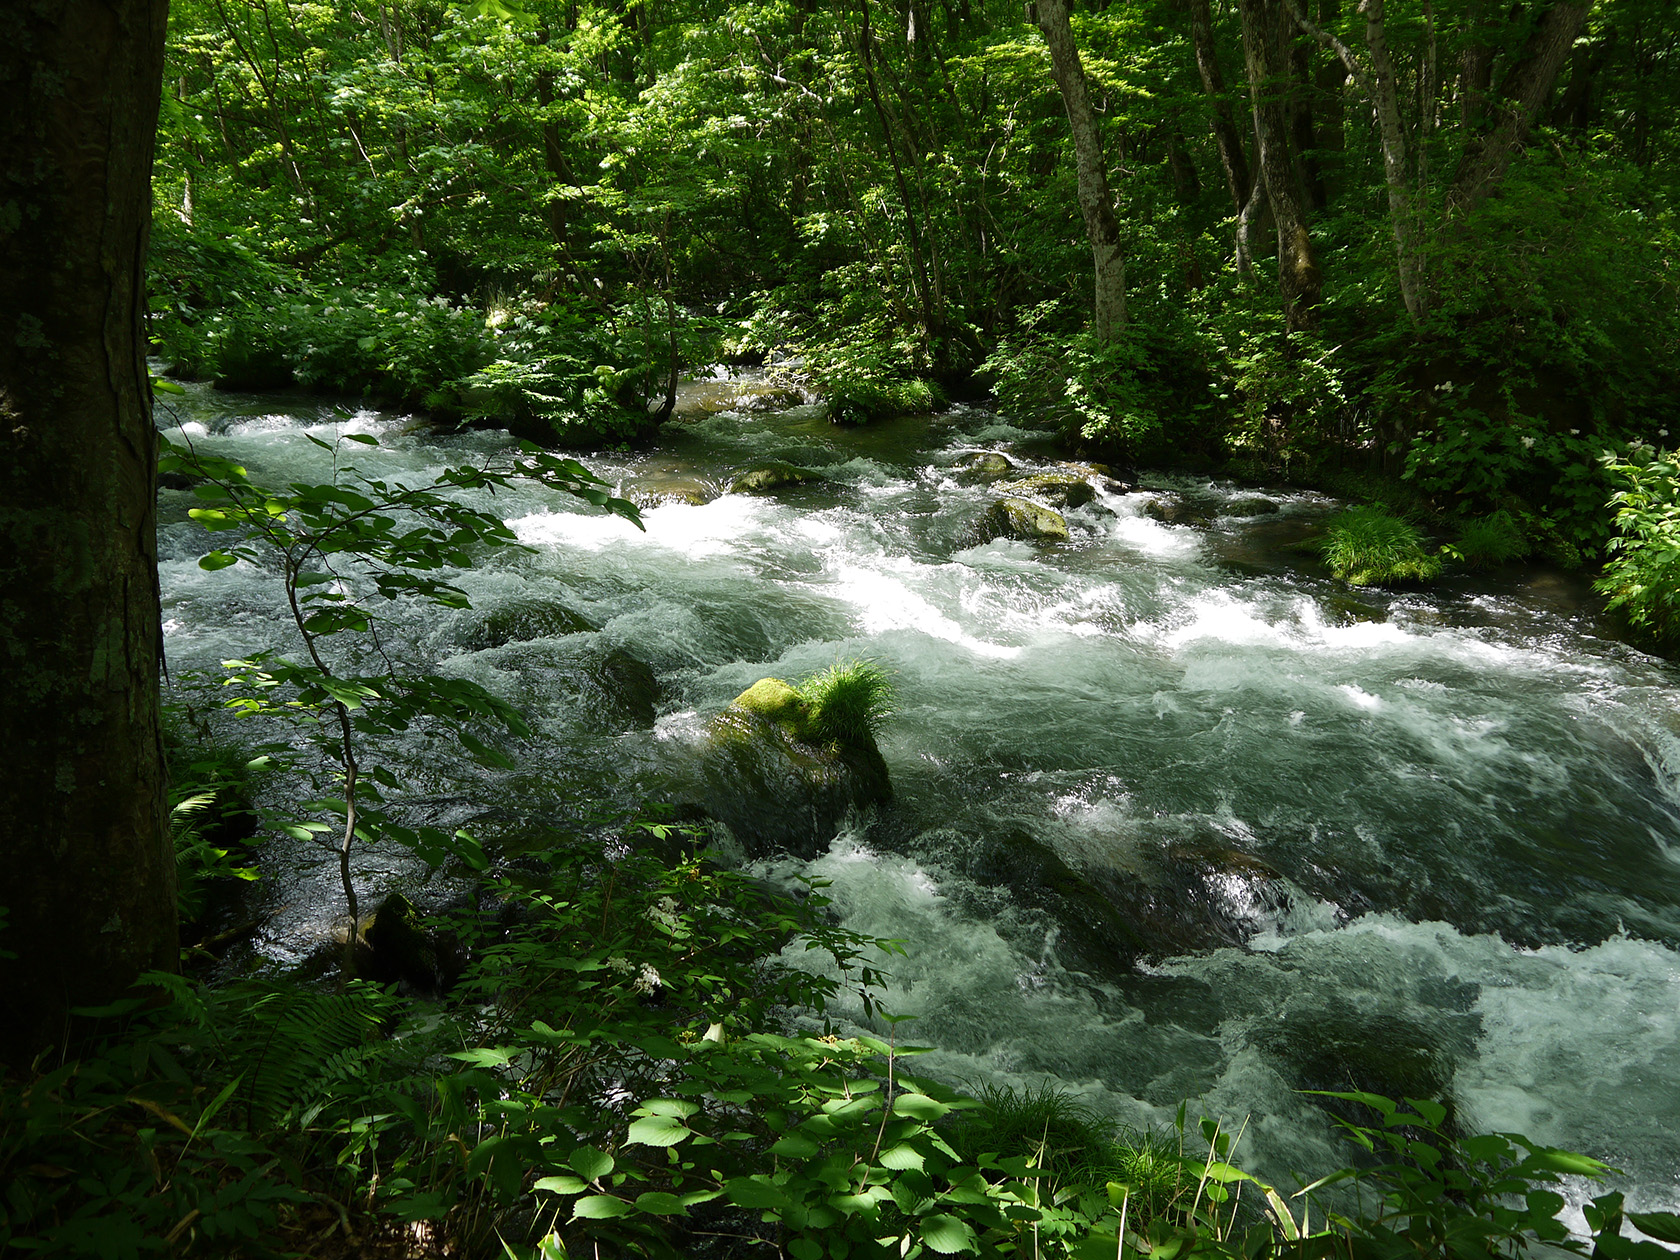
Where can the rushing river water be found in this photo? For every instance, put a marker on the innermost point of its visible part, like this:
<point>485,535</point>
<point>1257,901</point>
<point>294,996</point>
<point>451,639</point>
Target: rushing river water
<point>1414,840</point>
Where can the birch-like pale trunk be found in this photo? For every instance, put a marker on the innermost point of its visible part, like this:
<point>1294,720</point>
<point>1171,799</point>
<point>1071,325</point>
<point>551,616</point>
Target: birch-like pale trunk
<point>1096,205</point>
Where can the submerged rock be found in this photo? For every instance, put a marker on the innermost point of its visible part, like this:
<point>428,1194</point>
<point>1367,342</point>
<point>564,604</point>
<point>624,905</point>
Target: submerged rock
<point>1023,519</point>
<point>1058,490</point>
<point>1092,934</point>
<point>1195,895</point>
<point>627,686</point>
<point>772,476</point>
<point>520,621</point>
<point>774,788</point>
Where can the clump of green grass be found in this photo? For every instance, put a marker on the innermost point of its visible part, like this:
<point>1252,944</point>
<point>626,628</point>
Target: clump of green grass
<point>1489,541</point>
<point>1367,546</point>
<point>846,702</point>
<point>1076,1145</point>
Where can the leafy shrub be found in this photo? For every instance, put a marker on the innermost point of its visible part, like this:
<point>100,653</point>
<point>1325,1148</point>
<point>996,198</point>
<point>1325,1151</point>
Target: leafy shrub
<point>1642,577</point>
<point>1090,392</point>
<point>847,702</point>
<point>1368,547</point>
<point>1489,541</point>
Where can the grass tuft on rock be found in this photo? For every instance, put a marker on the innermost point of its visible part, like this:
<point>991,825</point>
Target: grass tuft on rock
<point>1367,546</point>
<point>846,702</point>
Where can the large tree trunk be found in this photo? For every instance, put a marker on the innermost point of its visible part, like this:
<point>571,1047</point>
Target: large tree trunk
<point>1401,208</point>
<point>1265,48</point>
<point>89,869</point>
<point>1095,203</point>
<point>1231,153</point>
<point>1487,157</point>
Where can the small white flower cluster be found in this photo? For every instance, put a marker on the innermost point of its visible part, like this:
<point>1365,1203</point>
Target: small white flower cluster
<point>647,977</point>
<point>664,913</point>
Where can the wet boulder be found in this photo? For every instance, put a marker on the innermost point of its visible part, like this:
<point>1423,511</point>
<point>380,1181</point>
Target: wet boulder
<point>983,466</point>
<point>1060,490</point>
<point>627,689</point>
<point>1193,895</point>
<point>773,785</point>
<point>520,621</point>
<point>765,478</point>
<point>397,948</point>
<point>1023,519</point>
<point>1093,935</point>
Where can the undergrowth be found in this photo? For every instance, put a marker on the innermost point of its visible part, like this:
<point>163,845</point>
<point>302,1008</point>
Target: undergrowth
<point>1367,546</point>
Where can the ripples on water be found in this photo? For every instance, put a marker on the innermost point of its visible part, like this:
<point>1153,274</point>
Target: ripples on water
<point>1439,832</point>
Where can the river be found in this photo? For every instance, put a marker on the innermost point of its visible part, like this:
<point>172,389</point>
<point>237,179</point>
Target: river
<point>1404,838</point>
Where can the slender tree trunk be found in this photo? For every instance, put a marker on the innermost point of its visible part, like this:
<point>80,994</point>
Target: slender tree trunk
<point>1487,157</point>
<point>1232,156</point>
<point>1266,53</point>
<point>89,869</point>
<point>1402,211</point>
<point>1096,205</point>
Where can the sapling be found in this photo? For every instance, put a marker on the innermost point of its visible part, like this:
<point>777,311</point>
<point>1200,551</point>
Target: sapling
<point>345,548</point>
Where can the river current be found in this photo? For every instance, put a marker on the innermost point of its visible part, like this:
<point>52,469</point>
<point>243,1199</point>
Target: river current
<point>1427,839</point>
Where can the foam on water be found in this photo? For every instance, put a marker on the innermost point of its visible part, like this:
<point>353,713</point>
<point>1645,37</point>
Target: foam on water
<point>1454,819</point>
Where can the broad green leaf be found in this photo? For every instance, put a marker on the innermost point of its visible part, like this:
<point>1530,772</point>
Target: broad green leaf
<point>949,1235</point>
<point>217,560</point>
<point>591,1162</point>
<point>918,1106</point>
<point>1664,1226</point>
<point>561,1184</point>
<point>757,1192</point>
<point>659,1203</point>
<point>658,1131</point>
<point>795,1146</point>
<point>901,1157</point>
<point>600,1207</point>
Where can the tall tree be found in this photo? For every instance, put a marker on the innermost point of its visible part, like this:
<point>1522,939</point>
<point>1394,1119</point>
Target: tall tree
<point>1266,52</point>
<point>89,869</point>
<point>1096,204</point>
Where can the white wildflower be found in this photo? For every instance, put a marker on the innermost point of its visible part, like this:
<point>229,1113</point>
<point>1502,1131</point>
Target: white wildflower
<point>1528,442</point>
<point>648,981</point>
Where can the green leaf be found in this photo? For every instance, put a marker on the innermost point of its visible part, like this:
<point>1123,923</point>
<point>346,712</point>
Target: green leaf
<point>756,1192</point>
<point>949,1235</point>
<point>591,1162</point>
<point>658,1131</point>
<point>795,1146</point>
<point>561,1184</point>
<point>658,1203</point>
<point>918,1106</point>
<point>217,560</point>
<point>902,1157</point>
<point>600,1207</point>
<point>1664,1226</point>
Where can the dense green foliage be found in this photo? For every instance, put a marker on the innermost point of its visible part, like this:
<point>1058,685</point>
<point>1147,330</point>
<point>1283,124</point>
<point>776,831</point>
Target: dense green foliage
<point>1369,547</point>
<point>535,212</point>
<point>847,702</point>
<point>1643,575</point>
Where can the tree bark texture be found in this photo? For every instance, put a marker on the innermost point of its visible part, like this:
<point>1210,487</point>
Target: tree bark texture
<point>89,879</point>
<point>1232,156</point>
<point>1266,51</point>
<point>1401,208</point>
<point>1487,157</point>
<point>1096,205</point>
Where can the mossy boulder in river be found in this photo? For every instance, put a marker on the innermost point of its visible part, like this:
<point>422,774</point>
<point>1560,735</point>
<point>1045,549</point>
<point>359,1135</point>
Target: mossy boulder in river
<point>774,785</point>
<point>772,476</point>
<point>397,948</point>
<point>1023,519</point>
<point>983,466</point>
<point>1058,490</point>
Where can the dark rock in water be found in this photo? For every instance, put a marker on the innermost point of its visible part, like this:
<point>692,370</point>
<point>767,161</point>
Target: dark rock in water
<point>523,620</point>
<point>1175,511</point>
<point>1023,519</point>
<point>1368,1052</point>
<point>1093,935</point>
<point>983,466</point>
<point>1194,896</point>
<point>1244,508</point>
<point>653,490</point>
<point>397,949</point>
<point>178,481</point>
<point>1058,490</point>
<point>773,476</point>
<point>772,788</point>
<point>629,683</point>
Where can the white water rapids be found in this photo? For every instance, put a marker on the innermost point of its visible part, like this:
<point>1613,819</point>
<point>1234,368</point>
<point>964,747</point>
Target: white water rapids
<point>1437,831</point>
